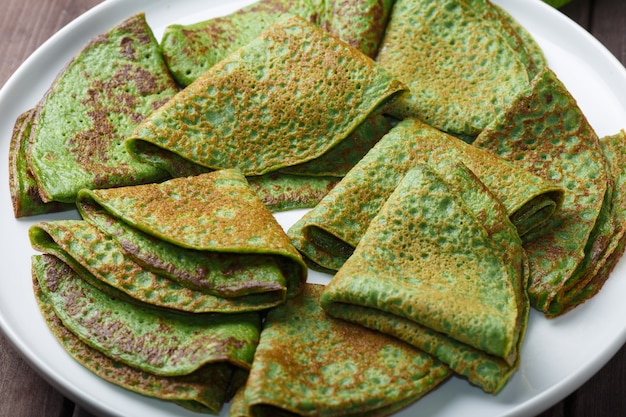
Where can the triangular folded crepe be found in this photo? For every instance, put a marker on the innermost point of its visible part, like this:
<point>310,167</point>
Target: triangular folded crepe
<point>190,50</point>
<point>310,364</point>
<point>328,234</point>
<point>204,243</point>
<point>100,260</point>
<point>442,268</point>
<point>189,359</point>
<point>77,138</point>
<point>457,60</point>
<point>22,184</point>
<point>614,149</point>
<point>285,98</point>
<point>545,132</point>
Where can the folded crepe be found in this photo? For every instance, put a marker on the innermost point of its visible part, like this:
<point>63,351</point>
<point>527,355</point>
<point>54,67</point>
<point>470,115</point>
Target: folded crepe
<point>462,60</point>
<point>285,98</point>
<point>327,234</point>
<point>100,260</point>
<point>190,50</point>
<point>77,138</point>
<point>208,234</point>
<point>519,38</point>
<point>22,184</point>
<point>545,132</point>
<point>442,268</point>
<point>192,360</point>
<point>310,364</point>
<point>614,149</point>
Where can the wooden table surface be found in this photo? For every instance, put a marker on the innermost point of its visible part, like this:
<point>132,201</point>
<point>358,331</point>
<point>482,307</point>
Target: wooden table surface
<point>26,24</point>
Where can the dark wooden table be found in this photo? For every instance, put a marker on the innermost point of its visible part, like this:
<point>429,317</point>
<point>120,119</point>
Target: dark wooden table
<point>26,24</point>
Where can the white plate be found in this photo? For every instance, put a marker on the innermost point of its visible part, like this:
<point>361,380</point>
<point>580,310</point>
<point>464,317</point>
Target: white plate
<point>558,355</point>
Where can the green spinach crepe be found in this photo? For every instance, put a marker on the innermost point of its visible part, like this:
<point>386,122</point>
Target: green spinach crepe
<point>327,234</point>
<point>77,138</point>
<point>614,149</point>
<point>441,267</point>
<point>545,132</point>
<point>310,364</point>
<point>190,50</point>
<point>22,184</point>
<point>193,360</point>
<point>208,234</point>
<point>285,98</point>
<point>460,59</point>
<point>100,260</point>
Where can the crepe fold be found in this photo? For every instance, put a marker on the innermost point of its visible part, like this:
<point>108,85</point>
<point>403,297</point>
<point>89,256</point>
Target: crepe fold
<point>310,364</point>
<point>190,50</point>
<point>78,131</point>
<point>196,244</point>
<point>23,186</point>
<point>196,361</point>
<point>285,98</point>
<point>442,268</point>
<point>328,234</point>
<point>464,61</point>
<point>545,132</point>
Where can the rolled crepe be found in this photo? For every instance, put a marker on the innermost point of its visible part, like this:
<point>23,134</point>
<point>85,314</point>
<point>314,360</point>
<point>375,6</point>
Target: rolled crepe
<point>189,359</point>
<point>460,65</point>
<point>442,268</point>
<point>190,50</point>
<point>77,139</point>
<point>22,184</point>
<point>328,234</point>
<point>545,132</point>
<point>308,363</point>
<point>209,234</point>
<point>285,98</point>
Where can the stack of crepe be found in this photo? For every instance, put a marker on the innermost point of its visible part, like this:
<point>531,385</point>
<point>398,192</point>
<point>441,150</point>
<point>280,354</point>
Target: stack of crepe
<point>328,234</point>
<point>125,279</point>
<point>545,132</point>
<point>74,137</point>
<point>456,183</point>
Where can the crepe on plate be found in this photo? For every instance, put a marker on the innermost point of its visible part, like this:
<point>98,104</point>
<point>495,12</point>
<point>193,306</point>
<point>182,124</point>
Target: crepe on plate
<point>77,138</point>
<point>198,244</point>
<point>327,234</point>
<point>193,360</point>
<point>190,50</point>
<point>546,132</point>
<point>285,98</point>
<point>442,268</point>
<point>463,61</point>
<point>308,363</point>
